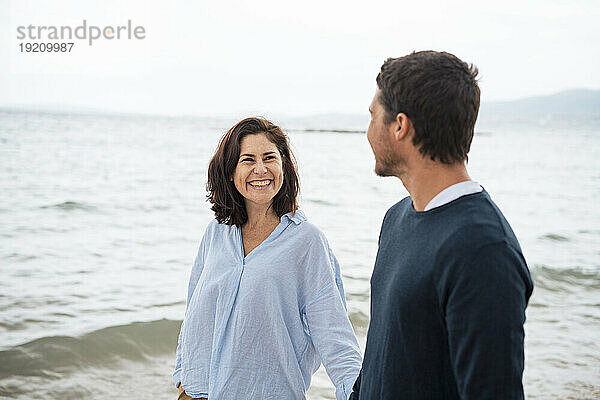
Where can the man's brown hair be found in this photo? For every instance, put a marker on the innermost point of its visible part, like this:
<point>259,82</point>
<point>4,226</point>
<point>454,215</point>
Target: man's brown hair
<point>439,94</point>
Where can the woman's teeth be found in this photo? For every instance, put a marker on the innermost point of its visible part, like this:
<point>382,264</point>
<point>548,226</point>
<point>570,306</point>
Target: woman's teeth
<point>260,183</point>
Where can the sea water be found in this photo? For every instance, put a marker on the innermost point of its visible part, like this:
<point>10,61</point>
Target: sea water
<point>101,217</point>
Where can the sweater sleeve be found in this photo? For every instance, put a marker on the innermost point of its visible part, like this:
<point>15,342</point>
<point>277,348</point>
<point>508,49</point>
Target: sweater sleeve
<point>194,277</point>
<point>484,313</point>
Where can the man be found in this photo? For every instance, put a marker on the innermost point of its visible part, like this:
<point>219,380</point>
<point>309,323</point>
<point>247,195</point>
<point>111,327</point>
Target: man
<point>450,284</point>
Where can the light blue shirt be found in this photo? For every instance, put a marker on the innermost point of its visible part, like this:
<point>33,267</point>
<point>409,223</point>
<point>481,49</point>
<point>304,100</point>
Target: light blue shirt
<point>259,326</point>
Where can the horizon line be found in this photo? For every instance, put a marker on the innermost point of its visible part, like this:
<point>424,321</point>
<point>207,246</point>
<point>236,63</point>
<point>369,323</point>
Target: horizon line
<point>77,110</point>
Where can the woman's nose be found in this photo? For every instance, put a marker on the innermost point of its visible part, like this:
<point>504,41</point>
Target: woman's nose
<point>260,167</point>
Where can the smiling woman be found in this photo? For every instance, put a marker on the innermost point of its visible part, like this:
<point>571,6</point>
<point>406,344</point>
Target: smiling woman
<point>265,303</point>
<point>251,152</point>
<point>259,173</point>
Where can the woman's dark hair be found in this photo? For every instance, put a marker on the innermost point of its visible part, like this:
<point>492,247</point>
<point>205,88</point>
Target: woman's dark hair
<point>227,203</point>
<point>439,94</point>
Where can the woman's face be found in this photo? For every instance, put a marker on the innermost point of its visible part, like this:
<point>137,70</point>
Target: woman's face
<point>258,175</point>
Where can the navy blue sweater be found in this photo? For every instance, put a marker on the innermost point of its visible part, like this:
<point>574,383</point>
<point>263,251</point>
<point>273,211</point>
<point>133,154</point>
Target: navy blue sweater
<point>448,297</point>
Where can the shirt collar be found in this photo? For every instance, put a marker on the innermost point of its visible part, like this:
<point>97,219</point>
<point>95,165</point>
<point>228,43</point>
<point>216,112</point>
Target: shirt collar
<point>298,217</point>
<point>452,193</point>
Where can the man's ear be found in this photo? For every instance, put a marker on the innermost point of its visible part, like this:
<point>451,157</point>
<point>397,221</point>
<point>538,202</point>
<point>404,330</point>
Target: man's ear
<point>402,127</point>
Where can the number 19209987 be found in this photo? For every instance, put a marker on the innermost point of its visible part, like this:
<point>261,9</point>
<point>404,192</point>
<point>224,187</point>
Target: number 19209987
<point>46,47</point>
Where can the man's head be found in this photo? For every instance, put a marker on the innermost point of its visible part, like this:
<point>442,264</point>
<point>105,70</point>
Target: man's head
<point>429,100</point>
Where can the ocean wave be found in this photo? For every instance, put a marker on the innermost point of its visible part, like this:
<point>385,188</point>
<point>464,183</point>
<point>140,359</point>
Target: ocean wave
<point>565,279</point>
<point>321,202</point>
<point>555,237</point>
<point>20,257</point>
<point>71,205</point>
<point>49,356</point>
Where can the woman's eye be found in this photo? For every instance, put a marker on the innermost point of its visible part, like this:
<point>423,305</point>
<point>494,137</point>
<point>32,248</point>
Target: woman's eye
<point>246,159</point>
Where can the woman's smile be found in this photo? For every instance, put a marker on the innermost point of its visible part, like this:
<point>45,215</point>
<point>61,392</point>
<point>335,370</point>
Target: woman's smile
<point>260,185</point>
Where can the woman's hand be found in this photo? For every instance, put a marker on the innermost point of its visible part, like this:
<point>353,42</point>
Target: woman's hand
<point>180,388</point>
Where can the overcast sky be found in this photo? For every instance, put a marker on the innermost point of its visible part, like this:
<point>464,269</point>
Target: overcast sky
<point>289,58</point>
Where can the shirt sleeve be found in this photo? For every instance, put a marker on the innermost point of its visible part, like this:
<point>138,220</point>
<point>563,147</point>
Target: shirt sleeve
<point>331,332</point>
<point>356,388</point>
<point>484,313</point>
<point>194,277</point>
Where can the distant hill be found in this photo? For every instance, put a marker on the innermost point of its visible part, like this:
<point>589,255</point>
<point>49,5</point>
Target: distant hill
<point>570,108</point>
<point>578,107</point>
<point>582,105</point>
